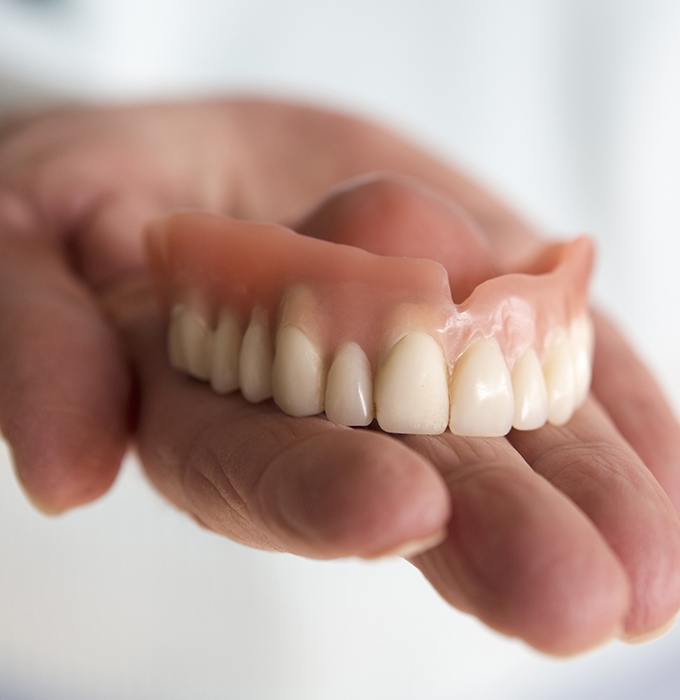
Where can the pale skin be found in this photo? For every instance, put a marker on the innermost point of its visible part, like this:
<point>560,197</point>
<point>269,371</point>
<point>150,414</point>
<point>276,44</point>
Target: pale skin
<point>563,537</point>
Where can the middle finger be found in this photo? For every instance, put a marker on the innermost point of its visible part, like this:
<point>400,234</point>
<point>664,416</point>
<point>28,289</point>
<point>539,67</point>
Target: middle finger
<point>593,465</point>
<point>519,555</point>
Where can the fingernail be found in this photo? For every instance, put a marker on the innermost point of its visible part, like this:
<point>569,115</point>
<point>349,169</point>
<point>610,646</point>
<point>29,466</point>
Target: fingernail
<point>650,636</point>
<point>411,548</point>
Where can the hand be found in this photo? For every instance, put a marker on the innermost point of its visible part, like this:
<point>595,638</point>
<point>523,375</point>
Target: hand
<point>561,537</point>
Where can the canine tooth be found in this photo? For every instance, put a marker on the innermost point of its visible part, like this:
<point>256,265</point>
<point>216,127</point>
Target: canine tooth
<point>225,353</point>
<point>482,404</point>
<point>531,396</point>
<point>175,349</point>
<point>349,388</point>
<point>581,337</point>
<point>558,371</point>
<point>196,342</point>
<point>255,360</point>
<point>297,374</point>
<point>411,389</point>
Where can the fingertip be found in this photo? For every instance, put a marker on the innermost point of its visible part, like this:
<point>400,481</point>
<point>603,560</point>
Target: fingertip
<point>527,563</point>
<point>651,636</point>
<point>412,548</point>
<point>652,559</point>
<point>62,466</point>
<point>582,606</point>
<point>352,493</point>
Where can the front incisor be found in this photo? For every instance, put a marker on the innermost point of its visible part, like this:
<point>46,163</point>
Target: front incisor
<point>298,374</point>
<point>255,361</point>
<point>225,354</point>
<point>581,339</point>
<point>411,392</point>
<point>482,404</point>
<point>196,343</point>
<point>558,371</point>
<point>175,344</point>
<point>349,387</point>
<point>531,396</point>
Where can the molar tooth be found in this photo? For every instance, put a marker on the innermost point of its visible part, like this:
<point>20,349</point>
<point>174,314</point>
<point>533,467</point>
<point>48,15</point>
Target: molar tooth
<point>349,388</point>
<point>411,391</point>
<point>531,396</point>
<point>558,371</point>
<point>225,353</point>
<point>196,342</point>
<point>297,374</point>
<point>175,349</point>
<point>255,361</point>
<point>482,404</point>
<point>581,337</point>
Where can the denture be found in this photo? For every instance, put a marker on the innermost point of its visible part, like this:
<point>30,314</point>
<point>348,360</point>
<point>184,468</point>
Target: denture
<point>319,325</point>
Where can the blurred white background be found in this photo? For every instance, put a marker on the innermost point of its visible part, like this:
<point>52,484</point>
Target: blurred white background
<point>572,109</point>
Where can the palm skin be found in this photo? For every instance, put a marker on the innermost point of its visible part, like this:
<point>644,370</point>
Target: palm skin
<point>562,537</point>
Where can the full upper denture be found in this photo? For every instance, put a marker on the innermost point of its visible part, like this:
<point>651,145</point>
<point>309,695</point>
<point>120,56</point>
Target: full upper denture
<point>321,325</point>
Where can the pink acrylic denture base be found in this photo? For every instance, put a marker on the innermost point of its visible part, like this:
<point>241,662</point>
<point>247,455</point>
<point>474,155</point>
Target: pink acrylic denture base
<point>336,293</point>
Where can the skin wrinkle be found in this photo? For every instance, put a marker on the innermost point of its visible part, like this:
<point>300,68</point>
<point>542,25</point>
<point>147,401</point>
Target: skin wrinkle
<point>222,463</point>
<point>209,427</point>
<point>247,535</point>
<point>584,461</point>
<point>207,461</point>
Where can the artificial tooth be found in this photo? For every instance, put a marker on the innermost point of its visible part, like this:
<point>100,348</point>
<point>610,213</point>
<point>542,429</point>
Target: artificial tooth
<point>349,389</point>
<point>529,391</point>
<point>482,404</point>
<point>297,374</point>
<point>558,371</point>
<point>582,327</point>
<point>225,353</point>
<point>255,361</point>
<point>196,343</point>
<point>411,392</point>
<point>581,337</point>
<point>175,349</point>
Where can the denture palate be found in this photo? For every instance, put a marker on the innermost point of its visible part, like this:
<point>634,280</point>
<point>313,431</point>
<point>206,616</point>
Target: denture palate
<point>320,326</point>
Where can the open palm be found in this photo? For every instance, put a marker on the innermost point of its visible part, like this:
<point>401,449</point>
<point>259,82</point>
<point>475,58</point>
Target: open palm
<point>561,536</point>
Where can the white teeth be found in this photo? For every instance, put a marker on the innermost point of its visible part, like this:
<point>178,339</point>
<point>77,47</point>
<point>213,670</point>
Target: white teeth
<point>225,352</point>
<point>581,337</point>
<point>411,391</point>
<point>196,343</point>
<point>297,374</point>
<point>175,349</point>
<point>349,389</point>
<point>531,396</point>
<point>584,324</point>
<point>558,371</point>
<point>481,392</point>
<point>255,362</point>
<point>411,388</point>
